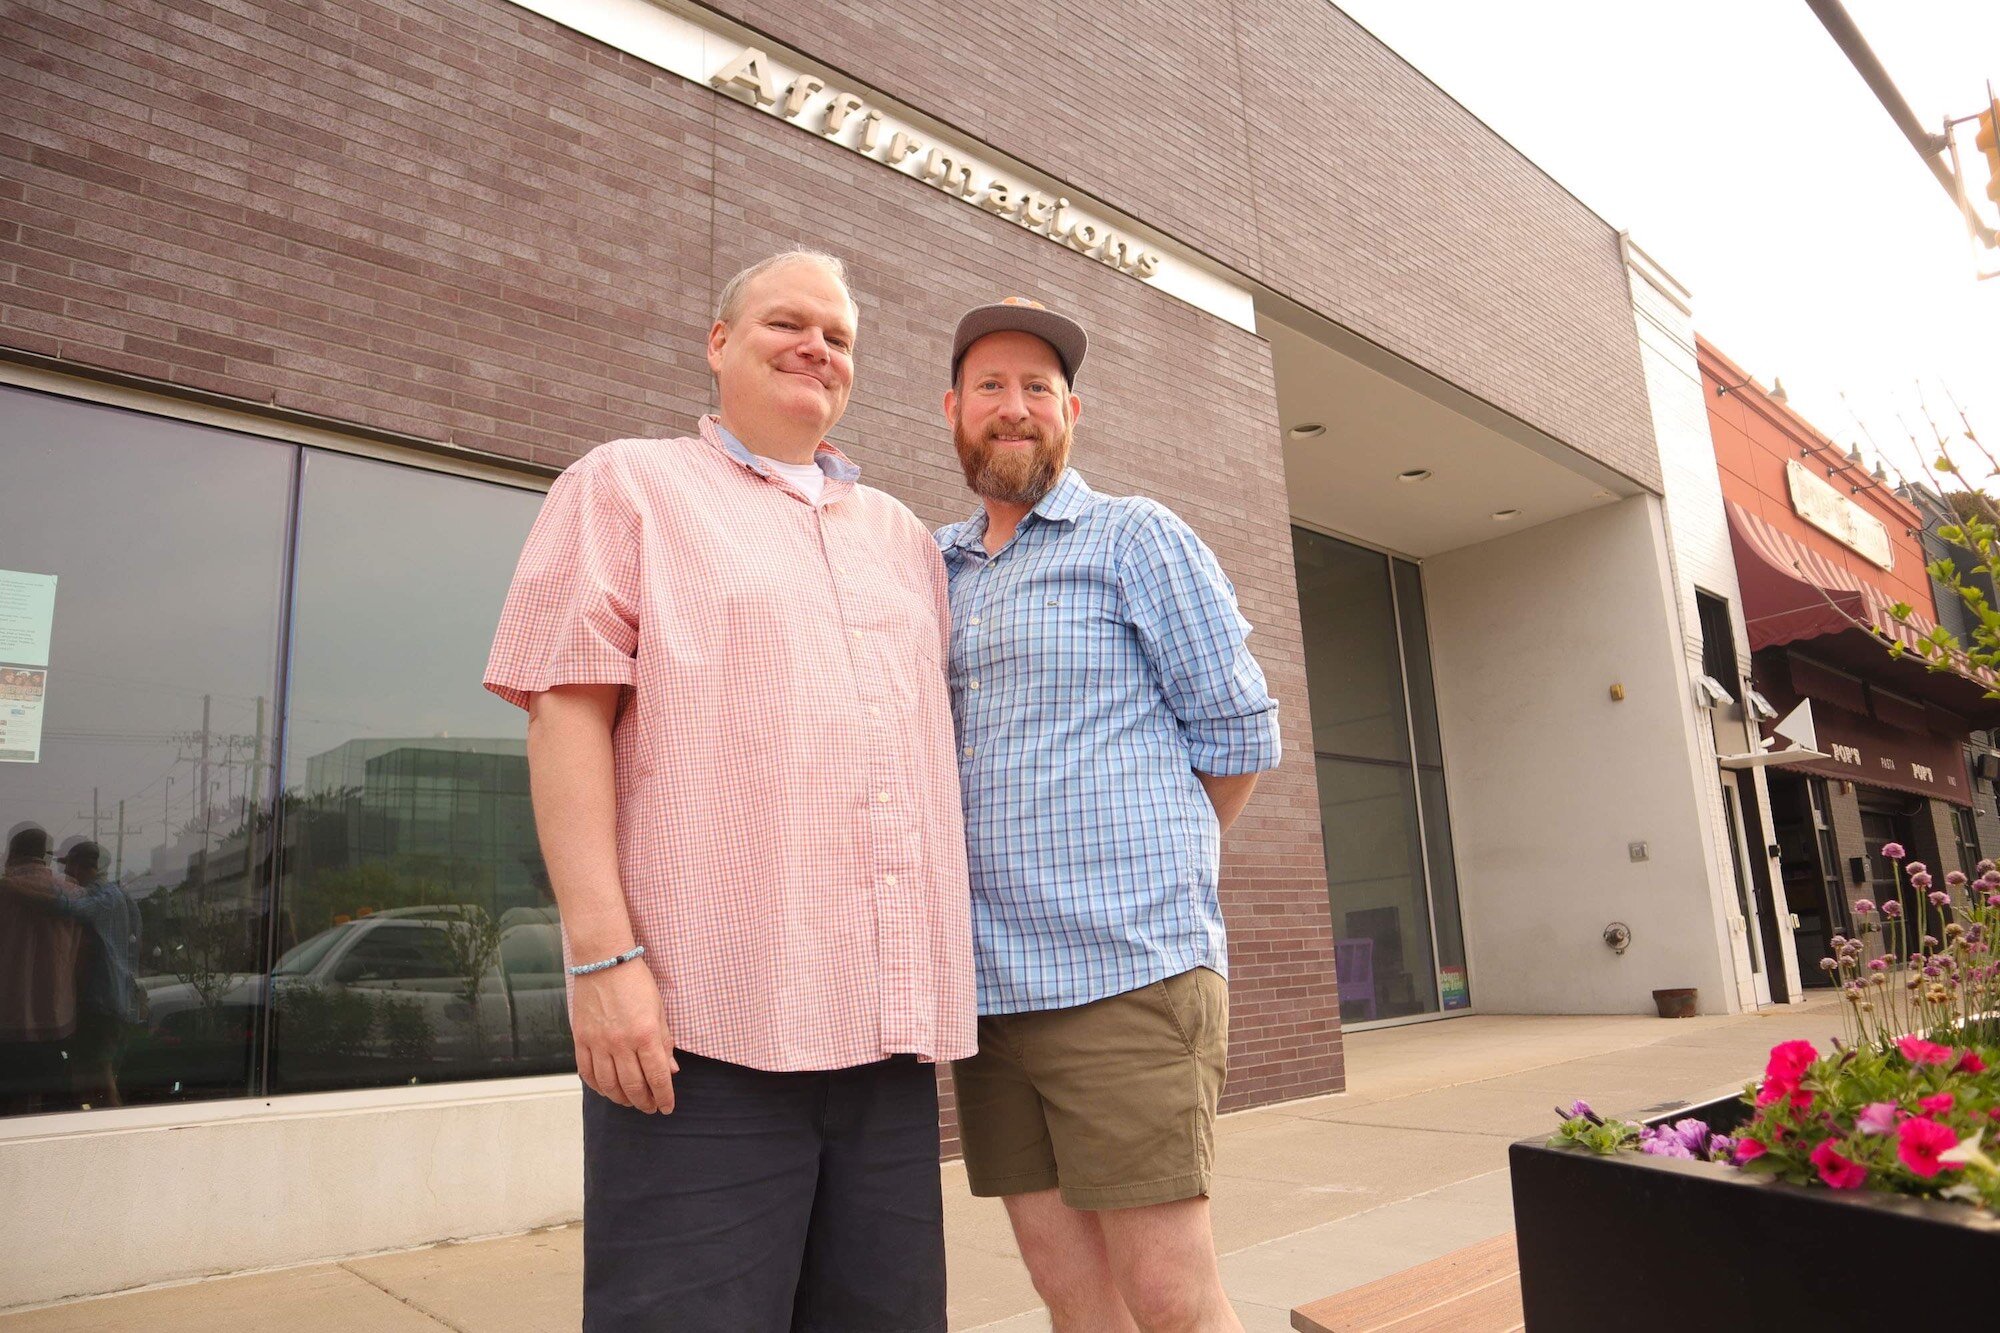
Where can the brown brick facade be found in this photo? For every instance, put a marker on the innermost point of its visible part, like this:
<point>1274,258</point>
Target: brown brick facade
<point>1281,138</point>
<point>457,221</point>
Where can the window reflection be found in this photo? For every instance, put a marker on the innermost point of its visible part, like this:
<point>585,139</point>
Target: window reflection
<point>133,781</point>
<point>161,852</point>
<point>420,934</point>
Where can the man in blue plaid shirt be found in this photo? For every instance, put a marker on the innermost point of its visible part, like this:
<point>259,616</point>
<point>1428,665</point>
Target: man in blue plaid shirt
<point>1111,723</point>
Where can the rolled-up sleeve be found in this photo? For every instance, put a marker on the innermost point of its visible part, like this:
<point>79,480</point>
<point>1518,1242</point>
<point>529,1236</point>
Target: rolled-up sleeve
<point>572,612</point>
<point>1182,607</point>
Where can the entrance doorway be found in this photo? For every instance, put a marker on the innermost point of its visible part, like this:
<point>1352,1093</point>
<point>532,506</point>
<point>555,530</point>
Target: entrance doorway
<point>1753,988</point>
<point>1886,818</point>
<point>1809,867</point>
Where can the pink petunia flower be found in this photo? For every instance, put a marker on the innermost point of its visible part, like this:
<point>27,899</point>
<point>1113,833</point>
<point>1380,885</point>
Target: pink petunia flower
<point>1969,1063</point>
<point>1840,1172</point>
<point>1748,1150</point>
<point>1918,1143</point>
<point>1877,1118</point>
<point>1936,1104</point>
<point>1920,1052</point>
<point>1789,1061</point>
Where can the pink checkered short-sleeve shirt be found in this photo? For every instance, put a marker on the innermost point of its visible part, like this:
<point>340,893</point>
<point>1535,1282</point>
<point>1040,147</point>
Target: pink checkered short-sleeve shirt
<point>789,831</point>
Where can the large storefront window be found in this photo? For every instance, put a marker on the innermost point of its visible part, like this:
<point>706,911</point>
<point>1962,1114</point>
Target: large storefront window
<point>1399,948</point>
<point>265,830</point>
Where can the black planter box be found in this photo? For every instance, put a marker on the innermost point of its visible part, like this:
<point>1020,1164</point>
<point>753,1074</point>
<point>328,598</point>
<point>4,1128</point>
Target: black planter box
<point>1637,1244</point>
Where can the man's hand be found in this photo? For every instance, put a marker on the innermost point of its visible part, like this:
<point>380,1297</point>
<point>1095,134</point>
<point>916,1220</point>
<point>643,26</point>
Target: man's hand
<point>623,1049</point>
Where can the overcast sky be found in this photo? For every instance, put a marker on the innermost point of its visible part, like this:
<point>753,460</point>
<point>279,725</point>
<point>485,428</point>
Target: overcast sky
<point>1739,147</point>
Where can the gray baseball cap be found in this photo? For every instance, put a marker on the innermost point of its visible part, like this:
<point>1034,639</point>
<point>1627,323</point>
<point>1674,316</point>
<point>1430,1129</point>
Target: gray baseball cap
<point>1019,314</point>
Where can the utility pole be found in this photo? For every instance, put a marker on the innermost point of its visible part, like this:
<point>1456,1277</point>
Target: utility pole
<point>252,789</point>
<point>202,801</point>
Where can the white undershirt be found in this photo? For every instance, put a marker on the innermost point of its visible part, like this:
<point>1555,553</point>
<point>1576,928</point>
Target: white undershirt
<point>806,476</point>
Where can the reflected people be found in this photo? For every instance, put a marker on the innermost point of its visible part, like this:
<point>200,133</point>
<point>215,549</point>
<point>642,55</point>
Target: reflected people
<point>107,996</point>
<point>40,941</point>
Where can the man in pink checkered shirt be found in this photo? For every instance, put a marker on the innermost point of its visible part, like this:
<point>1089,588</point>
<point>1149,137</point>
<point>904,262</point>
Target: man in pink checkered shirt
<point>740,749</point>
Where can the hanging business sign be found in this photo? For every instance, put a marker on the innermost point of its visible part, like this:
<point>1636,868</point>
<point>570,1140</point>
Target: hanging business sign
<point>705,49</point>
<point>1819,503</point>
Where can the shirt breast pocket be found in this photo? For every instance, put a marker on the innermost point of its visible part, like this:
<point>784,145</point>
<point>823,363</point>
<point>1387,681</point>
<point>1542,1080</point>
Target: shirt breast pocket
<point>1076,640</point>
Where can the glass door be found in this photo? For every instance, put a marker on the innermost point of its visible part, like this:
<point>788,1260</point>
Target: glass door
<point>1391,883</point>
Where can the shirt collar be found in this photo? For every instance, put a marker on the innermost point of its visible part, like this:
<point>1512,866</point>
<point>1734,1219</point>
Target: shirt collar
<point>1070,496</point>
<point>836,465</point>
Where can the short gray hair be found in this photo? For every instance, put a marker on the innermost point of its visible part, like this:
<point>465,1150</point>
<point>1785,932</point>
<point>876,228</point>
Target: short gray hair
<point>730,304</point>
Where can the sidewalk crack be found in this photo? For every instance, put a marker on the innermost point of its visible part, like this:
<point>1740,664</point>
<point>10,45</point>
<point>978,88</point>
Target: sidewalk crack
<point>431,1315</point>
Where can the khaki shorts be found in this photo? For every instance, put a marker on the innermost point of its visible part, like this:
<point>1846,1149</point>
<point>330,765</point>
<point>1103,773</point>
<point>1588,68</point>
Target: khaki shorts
<point>1113,1101</point>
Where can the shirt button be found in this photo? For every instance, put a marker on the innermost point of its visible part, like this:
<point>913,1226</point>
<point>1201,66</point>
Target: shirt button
<point>890,880</point>
<point>882,796</point>
<point>874,711</point>
<point>971,684</point>
<point>855,632</point>
<point>968,752</point>
<point>973,621</point>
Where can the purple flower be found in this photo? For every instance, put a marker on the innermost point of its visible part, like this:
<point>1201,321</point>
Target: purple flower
<point>1721,1148</point>
<point>1878,964</point>
<point>1993,900</point>
<point>1894,851</point>
<point>1877,1118</point>
<point>1940,898</point>
<point>1580,1109</point>
<point>1920,880</point>
<point>1955,878</point>
<point>1892,910</point>
<point>1864,906</point>
<point>1986,866</point>
<point>1662,1143</point>
<point>1687,1138</point>
<point>1913,868</point>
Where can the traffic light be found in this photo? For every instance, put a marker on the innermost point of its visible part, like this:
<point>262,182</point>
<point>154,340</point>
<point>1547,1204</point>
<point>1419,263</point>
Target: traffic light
<point>1988,142</point>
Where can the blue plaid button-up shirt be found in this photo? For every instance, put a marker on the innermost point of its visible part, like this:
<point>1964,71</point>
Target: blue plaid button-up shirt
<point>1098,661</point>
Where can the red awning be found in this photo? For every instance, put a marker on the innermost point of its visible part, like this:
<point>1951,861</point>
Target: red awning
<point>1791,593</point>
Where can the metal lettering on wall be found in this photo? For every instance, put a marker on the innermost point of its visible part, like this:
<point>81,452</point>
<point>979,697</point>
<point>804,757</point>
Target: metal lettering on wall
<point>850,122</point>
<point>1818,503</point>
<point>704,48</point>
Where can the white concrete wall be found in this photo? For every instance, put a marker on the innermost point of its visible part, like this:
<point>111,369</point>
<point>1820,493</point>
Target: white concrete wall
<point>104,1200</point>
<point>1551,780</point>
<point>1703,558</point>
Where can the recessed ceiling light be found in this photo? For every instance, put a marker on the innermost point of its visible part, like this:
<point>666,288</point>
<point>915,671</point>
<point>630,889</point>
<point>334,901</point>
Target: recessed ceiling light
<point>1415,474</point>
<point>1306,430</point>
<point>1505,515</point>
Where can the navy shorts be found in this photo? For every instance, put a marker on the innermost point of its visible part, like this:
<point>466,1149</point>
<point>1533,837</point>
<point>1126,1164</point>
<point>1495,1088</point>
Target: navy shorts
<point>767,1203</point>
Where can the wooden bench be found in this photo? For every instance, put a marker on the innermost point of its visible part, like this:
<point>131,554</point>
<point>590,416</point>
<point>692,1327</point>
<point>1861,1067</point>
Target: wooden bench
<point>1473,1290</point>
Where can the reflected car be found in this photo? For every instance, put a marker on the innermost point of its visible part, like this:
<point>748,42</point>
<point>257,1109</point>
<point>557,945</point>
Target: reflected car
<point>392,987</point>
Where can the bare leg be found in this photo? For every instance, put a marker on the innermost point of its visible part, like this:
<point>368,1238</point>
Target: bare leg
<point>1163,1261</point>
<point>1066,1256</point>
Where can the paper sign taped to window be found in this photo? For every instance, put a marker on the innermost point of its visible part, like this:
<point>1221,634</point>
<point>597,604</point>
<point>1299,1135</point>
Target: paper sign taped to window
<point>22,690</point>
<point>27,610</point>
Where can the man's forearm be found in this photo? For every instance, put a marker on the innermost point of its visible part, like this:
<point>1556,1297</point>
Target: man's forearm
<point>1228,795</point>
<point>575,800</point>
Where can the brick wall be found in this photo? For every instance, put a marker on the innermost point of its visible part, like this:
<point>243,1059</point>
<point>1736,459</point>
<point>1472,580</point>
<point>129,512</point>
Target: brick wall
<point>1283,139</point>
<point>457,221</point>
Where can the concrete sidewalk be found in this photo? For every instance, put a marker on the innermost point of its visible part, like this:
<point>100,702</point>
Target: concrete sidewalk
<point>1313,1197</point>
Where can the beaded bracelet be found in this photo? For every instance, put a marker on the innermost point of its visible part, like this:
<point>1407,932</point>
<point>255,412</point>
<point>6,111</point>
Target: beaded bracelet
<point>586,969</point>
